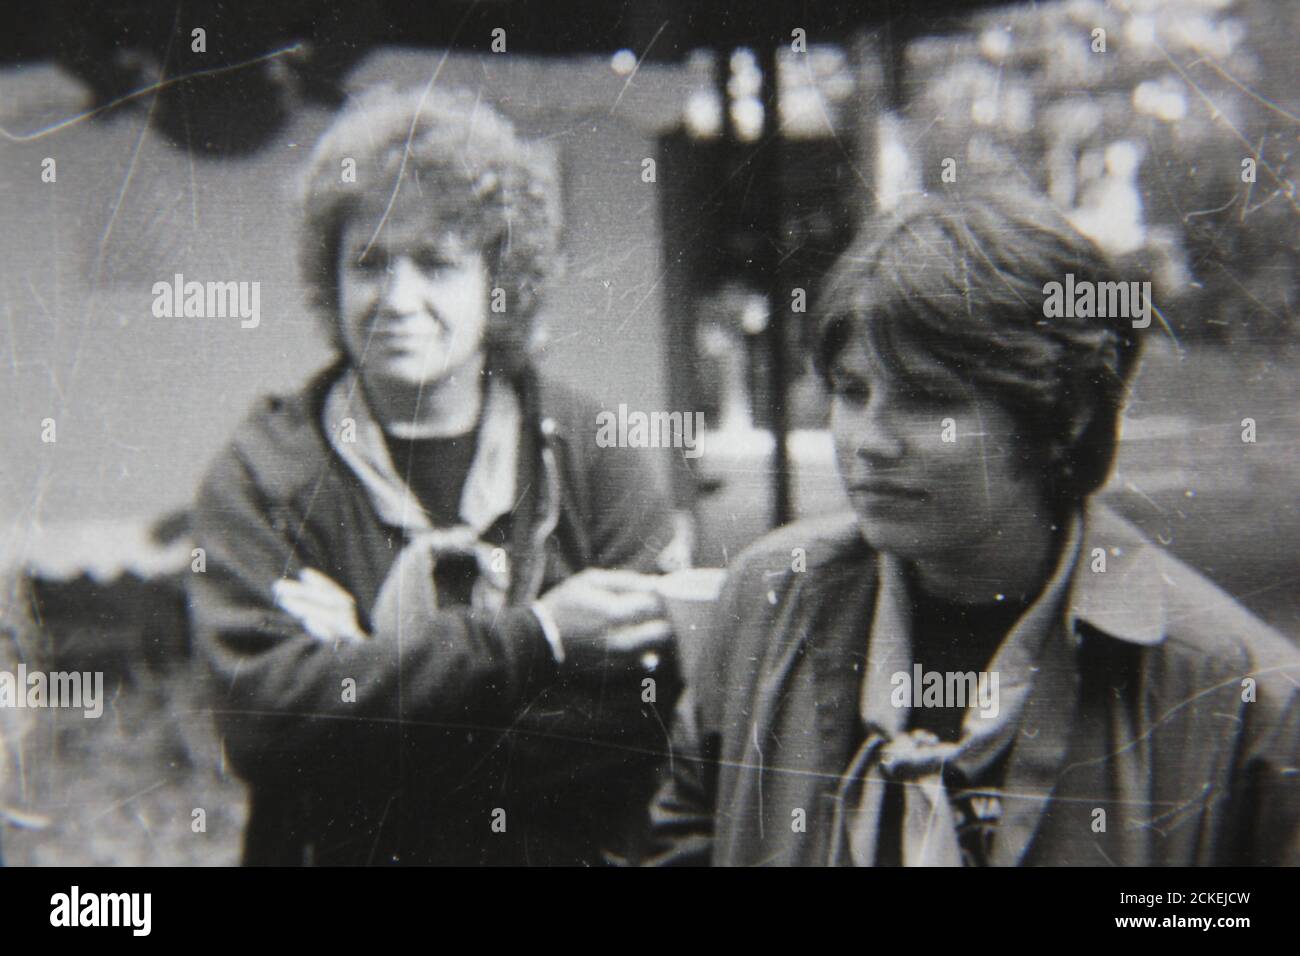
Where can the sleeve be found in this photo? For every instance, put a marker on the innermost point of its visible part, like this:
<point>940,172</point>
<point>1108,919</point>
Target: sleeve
<point>1267,798</point>
<point>279,692</point>
<point>681,813</point>
<point>684,810</point>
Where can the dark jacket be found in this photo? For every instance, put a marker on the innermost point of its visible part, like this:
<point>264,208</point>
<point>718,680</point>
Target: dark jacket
<point>1145,713</point>
<point>470,724</point>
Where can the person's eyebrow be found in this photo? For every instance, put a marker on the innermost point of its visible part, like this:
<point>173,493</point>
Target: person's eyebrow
<point>437,251</point>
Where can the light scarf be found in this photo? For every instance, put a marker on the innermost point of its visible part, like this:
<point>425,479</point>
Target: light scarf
<point>408,594</point>
<point>916,760</point>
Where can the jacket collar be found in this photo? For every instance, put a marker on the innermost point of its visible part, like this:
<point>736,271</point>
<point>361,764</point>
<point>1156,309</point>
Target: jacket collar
<point>890,647</point>
<point>489,490</point>
<point>1126,601</point>
<point>285,439</point>
<point>1118,585</point>
<point>283,444</point>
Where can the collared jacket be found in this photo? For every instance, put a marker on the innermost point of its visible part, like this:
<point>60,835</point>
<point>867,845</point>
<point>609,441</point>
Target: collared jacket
<point>463,741</point>
<point>1163,726</point>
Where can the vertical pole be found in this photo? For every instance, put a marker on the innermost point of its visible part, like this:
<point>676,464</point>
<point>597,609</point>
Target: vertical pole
<point>766,191</point>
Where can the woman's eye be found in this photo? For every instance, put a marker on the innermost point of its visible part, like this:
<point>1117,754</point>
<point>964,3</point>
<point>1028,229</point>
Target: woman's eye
<point>854,392</point>
<point>430,262</point>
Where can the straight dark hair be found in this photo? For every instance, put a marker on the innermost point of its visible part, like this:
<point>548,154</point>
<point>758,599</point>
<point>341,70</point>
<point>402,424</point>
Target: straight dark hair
<point>963,280</point>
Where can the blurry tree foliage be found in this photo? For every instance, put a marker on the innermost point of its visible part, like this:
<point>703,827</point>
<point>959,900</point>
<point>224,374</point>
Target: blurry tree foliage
<point>1146,143</point>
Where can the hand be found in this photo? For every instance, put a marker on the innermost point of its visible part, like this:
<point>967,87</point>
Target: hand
<point>599,613</point>
<point>326,610</point>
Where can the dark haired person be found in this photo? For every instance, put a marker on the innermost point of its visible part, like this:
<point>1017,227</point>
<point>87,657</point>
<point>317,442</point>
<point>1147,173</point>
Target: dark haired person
<point>411,663</point>
<point>1138,715</point>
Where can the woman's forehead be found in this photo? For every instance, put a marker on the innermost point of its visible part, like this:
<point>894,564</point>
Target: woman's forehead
<point>407,224</point>
<point>908,362</point>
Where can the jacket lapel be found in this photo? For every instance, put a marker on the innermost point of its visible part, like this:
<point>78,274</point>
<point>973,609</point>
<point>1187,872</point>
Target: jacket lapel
<point>804,724</point>
<point>1039,751</point>
<point>837,649</point>
<point>836,630</point>
<point>1125,601</point>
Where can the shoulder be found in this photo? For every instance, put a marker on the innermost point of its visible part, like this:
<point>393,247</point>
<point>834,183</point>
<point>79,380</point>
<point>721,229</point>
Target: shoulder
<point>1204,621</point>
<point>813,546</point>
<point>774,583</point>
<point>1204,631</point>
<point>279,445</point>
<point>571,418</point>
<point>571,411</point>
<point>1226,662</point>
<point>805,561</point>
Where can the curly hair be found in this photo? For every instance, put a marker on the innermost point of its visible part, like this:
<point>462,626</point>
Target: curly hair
<point>962,281</point>
<point>478,180</point>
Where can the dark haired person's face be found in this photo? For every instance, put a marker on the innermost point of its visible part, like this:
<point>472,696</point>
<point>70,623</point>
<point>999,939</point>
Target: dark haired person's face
<point>413,307</point>
<point>917,495</point>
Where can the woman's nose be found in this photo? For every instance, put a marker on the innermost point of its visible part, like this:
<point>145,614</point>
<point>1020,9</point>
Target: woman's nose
<point>876,432</point>
<point>402,294</point>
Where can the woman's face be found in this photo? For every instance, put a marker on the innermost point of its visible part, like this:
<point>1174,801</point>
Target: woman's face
<point>413,308</point>
<point>929,464</point>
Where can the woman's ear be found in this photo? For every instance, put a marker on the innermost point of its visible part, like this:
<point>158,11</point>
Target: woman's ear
<point>1087,460</point>
<point>1065,447</point>
<point>1079,423</point>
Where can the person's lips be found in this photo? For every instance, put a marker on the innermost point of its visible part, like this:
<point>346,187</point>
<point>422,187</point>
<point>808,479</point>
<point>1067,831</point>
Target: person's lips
<point>403,336</point>
<point>392,342</point>
<point>392,324</point>
<point>887,490</point>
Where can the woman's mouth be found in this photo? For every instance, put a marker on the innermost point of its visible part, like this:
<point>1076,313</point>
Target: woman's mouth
<point>884,490</point>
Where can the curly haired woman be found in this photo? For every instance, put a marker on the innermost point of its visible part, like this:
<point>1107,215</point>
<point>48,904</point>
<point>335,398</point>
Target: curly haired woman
<point>424,604</point>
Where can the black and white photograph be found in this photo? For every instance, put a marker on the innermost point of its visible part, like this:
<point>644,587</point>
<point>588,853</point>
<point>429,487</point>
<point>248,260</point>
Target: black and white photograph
<point>651,433</point>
